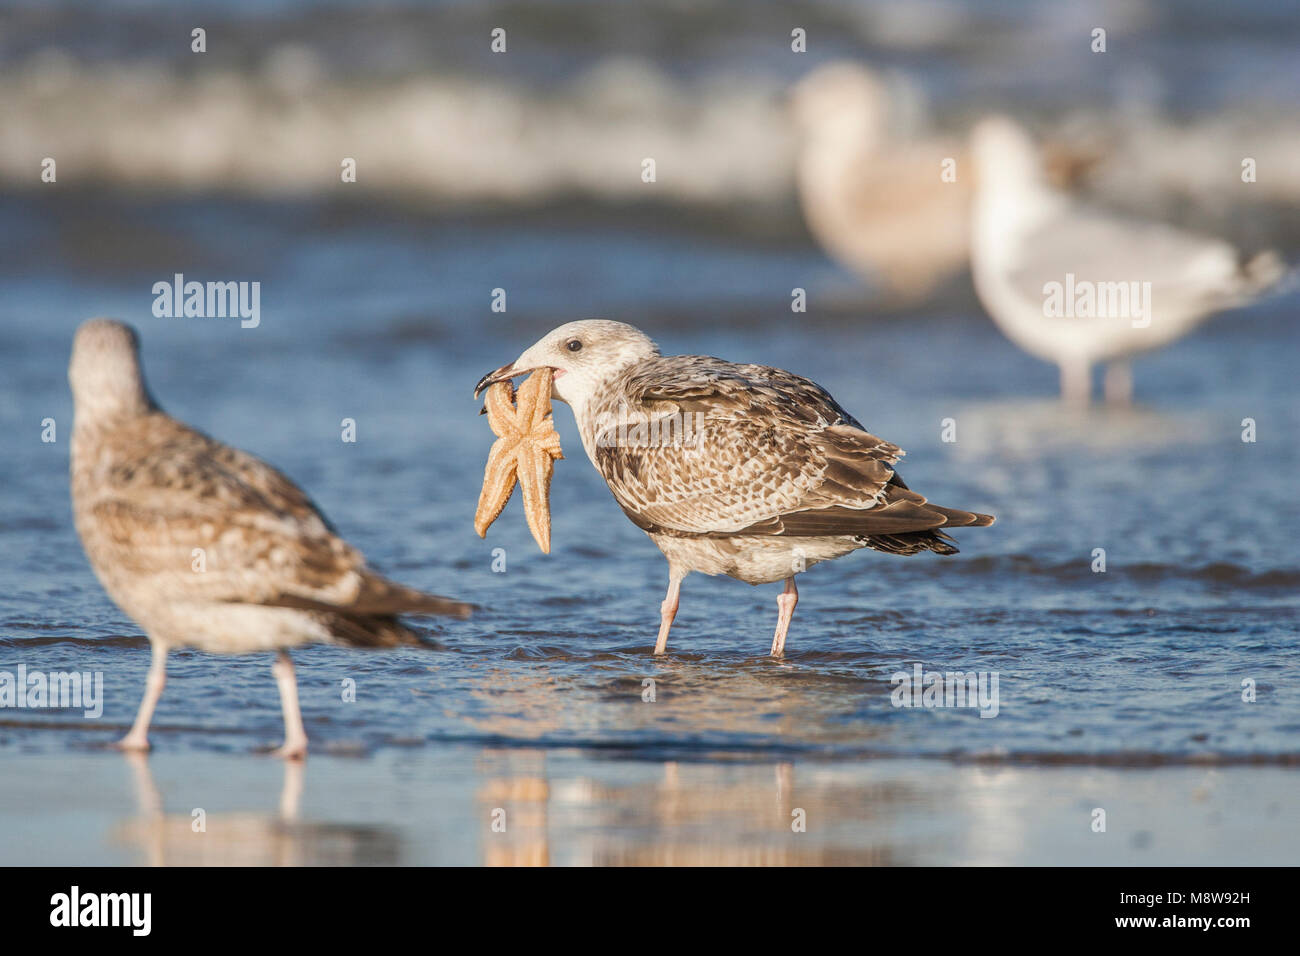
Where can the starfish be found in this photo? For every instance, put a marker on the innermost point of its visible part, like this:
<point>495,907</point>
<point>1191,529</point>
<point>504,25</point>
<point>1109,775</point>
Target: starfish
<point>525,451</point>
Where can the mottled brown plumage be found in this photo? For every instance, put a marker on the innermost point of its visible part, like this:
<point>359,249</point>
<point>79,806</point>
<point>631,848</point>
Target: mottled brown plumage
<point>203,544</point>
<point>776,456</point>
<point>743,470</point>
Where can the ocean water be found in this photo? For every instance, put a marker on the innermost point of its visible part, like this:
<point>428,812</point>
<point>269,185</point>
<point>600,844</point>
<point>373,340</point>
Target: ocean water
<point>585,91</point>
<point>1141,663</point>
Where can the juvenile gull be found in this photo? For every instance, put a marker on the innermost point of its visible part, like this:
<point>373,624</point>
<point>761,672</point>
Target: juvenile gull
<point>742,470</point>
<point>1028,236</point>
<point>207,546</point>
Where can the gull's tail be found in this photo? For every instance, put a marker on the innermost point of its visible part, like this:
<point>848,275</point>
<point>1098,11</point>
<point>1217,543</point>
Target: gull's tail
<point>371,619</point>
<point>380,596</point>
<point>1264,271</point>
<point>355,631</point>
<point>930,540</point>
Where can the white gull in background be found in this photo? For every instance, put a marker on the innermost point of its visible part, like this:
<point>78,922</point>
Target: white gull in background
<point>742,470</point>
<point>206,546</point>
<point>1027,235</point>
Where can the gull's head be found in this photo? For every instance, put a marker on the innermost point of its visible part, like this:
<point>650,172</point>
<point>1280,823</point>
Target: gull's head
<point>105,371</point>
<point>842,102</point>
<point>1004,154</point>
<point>582,355</point>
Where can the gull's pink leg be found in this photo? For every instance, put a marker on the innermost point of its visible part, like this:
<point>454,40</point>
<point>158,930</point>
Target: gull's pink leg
<point>295,737</point>
<point>1076,383</point>
<point>784,612</point>
<point>668,611</point>
<point>138,736</point>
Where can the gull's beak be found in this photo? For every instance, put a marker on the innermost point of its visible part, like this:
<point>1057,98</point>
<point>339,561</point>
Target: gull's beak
<point>503,374</point>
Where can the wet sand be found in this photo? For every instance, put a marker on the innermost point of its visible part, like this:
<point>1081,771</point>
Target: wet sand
<point>438,806</point>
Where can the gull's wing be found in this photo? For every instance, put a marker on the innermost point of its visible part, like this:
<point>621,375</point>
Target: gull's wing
<point>1184,269</point>
<point>760,451</point>
<point>153,490</point>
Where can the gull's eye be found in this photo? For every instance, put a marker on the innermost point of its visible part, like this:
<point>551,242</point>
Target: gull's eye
<point>573,345</point>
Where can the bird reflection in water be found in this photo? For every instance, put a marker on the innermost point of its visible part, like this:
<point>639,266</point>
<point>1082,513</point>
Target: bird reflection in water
<point>688,815</point>
<point>246,838</point>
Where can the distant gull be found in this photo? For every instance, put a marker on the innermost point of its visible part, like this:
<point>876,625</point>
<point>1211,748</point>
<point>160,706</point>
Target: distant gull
<point>873,194</point>
<point>742,470</point>
<point>207,546</point>
<point>884,193</point>
<point>1076,286</point>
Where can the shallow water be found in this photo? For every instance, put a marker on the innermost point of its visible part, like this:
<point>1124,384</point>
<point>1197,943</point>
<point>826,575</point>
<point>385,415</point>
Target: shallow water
<point>536,705</point>
<point>1141,664</point>
<point>572,807</point>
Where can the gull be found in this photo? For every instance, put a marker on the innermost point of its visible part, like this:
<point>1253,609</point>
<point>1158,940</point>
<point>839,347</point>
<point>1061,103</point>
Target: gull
<point>875,199</point>
<point>743,470</point>
<point>884,195</point>
<point>1077,286</point>
<point>206,546</point>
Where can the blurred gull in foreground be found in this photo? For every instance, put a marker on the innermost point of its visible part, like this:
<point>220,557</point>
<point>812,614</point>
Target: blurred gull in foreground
<point>742,470</point>
<point>1076,286</point>
<point>206,546</point>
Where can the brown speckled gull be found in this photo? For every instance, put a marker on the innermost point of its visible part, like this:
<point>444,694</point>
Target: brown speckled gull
<point>206,546</point>
<point>743,470</point>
